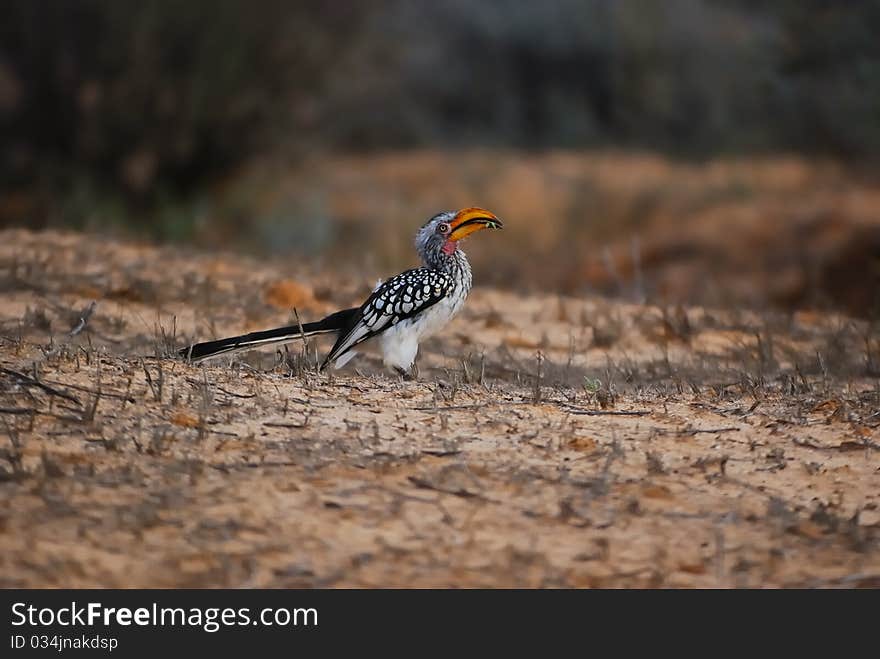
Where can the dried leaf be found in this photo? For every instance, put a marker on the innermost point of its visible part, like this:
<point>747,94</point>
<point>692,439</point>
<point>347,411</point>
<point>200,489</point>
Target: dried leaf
<point>287,294</point>
<point>185,420</point>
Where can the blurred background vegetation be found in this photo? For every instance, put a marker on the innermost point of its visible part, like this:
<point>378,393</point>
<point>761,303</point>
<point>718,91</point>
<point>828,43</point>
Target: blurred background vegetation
<point>685,150</point>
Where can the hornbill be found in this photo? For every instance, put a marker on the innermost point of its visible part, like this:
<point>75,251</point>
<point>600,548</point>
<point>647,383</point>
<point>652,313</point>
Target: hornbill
<point>400,312</point>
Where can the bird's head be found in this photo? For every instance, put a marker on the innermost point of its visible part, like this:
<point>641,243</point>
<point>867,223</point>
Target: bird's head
<point>440,236</point>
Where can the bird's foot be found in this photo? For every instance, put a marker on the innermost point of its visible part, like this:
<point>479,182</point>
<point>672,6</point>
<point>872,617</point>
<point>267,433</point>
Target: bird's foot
<point>407,374</point>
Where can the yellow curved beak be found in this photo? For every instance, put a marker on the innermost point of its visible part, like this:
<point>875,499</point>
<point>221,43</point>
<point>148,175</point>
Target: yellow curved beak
<point>471,220</point>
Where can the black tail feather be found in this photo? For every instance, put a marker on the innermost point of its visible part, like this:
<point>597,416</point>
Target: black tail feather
<point>335,322</point>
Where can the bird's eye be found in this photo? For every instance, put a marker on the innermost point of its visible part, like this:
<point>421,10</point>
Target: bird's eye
<point>443,227</point>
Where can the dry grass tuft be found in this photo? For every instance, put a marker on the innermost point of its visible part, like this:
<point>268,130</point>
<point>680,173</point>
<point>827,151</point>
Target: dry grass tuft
<point>683,447</point>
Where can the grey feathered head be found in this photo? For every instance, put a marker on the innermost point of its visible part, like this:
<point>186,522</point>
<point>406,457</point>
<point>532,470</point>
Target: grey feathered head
<point>438,238</point>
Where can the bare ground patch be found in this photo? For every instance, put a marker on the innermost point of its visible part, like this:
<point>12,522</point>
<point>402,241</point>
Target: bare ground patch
<point>549,441</point>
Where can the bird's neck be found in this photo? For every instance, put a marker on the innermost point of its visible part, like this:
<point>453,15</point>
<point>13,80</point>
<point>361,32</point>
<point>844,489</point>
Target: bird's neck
<point>452,264</point>
<point>456,265</point>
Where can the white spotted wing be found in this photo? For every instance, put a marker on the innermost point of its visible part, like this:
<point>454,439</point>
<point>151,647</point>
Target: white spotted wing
<point>397,299</point>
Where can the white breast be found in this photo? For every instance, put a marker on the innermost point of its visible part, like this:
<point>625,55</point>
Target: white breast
<point>400,344</point>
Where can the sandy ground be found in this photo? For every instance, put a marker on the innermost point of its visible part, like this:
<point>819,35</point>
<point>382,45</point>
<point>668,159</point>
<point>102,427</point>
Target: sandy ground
<point>548,442</point>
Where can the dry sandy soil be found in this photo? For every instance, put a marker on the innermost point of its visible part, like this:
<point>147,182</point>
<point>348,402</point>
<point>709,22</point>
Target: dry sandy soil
<point>554,442</point>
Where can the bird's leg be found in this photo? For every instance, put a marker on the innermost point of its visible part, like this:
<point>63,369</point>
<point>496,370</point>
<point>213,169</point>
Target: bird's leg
<point>407,374</point>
